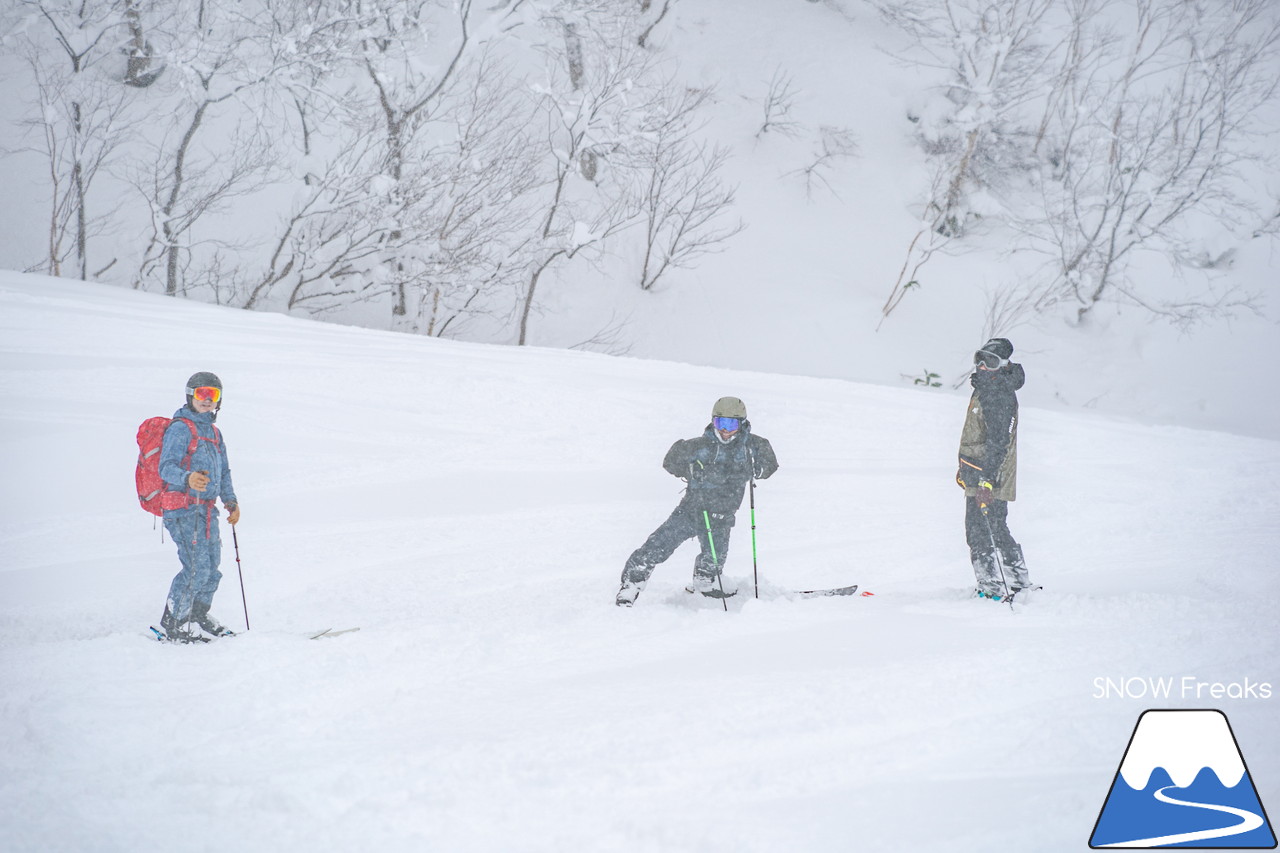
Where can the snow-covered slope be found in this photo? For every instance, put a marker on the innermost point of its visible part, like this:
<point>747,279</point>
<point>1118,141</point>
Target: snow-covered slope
<point>470,508</point>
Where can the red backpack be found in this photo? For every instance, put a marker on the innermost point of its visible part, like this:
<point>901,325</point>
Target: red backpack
<point>154,493</point>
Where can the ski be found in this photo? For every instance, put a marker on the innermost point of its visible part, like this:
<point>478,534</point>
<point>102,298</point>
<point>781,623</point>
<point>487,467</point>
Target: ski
<point>329,632</point>
<point>840,590</point>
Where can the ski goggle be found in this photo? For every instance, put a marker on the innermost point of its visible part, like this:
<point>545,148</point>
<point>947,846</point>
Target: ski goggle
<point>726,424</point>
<point>988,360</point>
<point>206,394</point>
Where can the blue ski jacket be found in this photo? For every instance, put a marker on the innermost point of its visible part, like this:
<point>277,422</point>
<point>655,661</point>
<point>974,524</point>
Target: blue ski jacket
<point>210,456</point>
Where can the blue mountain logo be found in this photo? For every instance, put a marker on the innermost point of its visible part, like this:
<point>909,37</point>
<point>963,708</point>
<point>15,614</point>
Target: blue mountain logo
<point>1183,783</point>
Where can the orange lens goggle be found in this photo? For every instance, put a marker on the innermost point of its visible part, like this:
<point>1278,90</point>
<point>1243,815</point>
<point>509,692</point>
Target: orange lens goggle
<point>207,393</point>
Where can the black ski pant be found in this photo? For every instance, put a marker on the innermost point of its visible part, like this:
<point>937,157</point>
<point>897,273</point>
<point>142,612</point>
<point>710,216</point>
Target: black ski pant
<point>684,524</point>
<point>988,534</point>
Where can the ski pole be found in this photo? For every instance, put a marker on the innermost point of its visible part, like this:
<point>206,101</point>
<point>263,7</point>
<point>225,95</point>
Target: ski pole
<point>719,574</point>
<point>995,552</point>
<point>236,542</point>
<point>755,569</point>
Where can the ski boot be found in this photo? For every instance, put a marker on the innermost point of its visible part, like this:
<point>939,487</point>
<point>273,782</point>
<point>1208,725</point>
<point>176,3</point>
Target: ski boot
<point>212,627</point>
<point>705,584</point>
<point>1015,567</point>
<point>173,632</point>
<point>627,595</point>
<point>708,585</point>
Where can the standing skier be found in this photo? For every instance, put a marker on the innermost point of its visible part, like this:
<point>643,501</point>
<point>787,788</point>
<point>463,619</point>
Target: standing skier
<point>193,464</point>
<point>988,470</point>
<point>717,466</point>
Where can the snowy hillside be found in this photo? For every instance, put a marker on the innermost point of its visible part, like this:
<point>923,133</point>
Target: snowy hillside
<point>469,507</point>
<point>831,195</point>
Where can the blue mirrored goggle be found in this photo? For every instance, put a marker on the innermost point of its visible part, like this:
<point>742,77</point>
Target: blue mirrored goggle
<point>726,424</point>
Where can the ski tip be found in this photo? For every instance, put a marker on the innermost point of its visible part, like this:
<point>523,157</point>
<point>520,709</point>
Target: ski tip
<point>329,632</point>
<point>822,593</point>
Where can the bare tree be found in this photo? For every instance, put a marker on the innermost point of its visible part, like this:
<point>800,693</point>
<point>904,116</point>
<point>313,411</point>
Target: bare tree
<point>776,106</point>
<point>78,122</point>
<point>604,117</point>
<point>643,39</point>
<point>997,59</point>
<point>833,145</point>
<point>1156,146</point>
<point>453,181</point>
<point>927,242</point>
<point>222,60</point>
<point>1129,134</point>
<point>406,90</point>
<point>142,68</point>
<point>682,205</point>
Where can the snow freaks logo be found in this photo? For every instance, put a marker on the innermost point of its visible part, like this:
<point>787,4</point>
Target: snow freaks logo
<point>1183,783</point>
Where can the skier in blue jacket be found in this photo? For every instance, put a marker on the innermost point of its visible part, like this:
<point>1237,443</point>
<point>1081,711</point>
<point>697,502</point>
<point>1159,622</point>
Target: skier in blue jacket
<point>194,467</point>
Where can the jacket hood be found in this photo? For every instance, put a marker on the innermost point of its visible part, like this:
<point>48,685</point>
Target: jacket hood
<point>198,417</point>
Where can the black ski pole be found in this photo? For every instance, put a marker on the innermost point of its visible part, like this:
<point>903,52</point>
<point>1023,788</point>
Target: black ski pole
<point>719,574</point>
<point>755,568</point>
<point>236,542</point>
<point>995,552</point>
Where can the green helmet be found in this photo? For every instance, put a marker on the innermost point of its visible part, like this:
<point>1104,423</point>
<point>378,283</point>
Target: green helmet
<point>729,407</point>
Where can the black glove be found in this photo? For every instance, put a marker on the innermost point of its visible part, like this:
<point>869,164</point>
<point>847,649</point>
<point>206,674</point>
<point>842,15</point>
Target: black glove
<point>762,469</point>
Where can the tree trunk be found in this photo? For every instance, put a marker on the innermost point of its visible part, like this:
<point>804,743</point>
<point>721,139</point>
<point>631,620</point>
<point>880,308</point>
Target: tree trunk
<point>77,182</point>
<point>140,72</point>
<point>528,297</point>
<point>573,51</point>
<point>175,192</point>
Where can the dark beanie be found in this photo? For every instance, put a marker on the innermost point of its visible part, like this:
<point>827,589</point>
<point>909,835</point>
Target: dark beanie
<point>998,346</point>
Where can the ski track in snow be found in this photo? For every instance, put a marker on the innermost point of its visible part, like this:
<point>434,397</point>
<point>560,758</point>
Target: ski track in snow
<point>470,508</point>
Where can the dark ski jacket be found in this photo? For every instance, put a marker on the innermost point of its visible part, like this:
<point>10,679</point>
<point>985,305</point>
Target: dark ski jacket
<point>210,456</point>
<point>718,473</point>
<point>989,440</point>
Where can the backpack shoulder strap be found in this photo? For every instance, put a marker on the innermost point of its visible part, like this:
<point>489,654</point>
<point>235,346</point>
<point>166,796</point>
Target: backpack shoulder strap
<point>191,447</point>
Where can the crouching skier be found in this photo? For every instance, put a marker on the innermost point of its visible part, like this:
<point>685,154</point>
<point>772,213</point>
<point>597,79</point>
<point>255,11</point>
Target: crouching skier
<point>988,470</point>
<point>193,464</point>
<point>717,466</point>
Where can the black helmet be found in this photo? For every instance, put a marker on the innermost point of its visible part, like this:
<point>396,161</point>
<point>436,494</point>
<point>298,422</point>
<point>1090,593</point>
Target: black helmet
<point>994,354</point>
<point>203,379</point>
<point>998,346</point>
